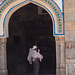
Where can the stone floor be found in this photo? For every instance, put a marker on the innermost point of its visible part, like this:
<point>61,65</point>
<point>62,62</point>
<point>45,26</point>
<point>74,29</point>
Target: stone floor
<point>39,74</point>
<point>32,74</point>
<point>46,74</point>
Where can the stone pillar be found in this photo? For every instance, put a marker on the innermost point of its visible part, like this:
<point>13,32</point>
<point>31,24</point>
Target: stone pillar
<point>57,56</point>
<point>3,61</point>
<point>60,56</point>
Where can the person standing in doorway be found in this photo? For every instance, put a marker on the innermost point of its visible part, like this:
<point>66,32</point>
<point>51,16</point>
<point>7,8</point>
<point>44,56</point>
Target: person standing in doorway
<point>35,57</point>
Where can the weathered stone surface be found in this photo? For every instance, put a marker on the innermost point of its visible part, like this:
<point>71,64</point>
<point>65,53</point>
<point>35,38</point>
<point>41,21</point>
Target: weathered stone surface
<point>3,61</point>
<point>70,53</point>
<point>69,10</point>
<point>70,44</point>
<point>70,61</point>
<point>70,36</point>
<point>69,4</point>
<point>69,14</point>
<point>62,55</point>
<point>57,55</point>
<point>69,26</point>
<point>3,72</point>
<point>73,45</point>
<point>62,71</point>
<point>57,71</point>
<point>70,69</point>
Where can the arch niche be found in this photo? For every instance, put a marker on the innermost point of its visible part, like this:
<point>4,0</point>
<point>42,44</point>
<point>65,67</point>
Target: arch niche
<point>57,29</point>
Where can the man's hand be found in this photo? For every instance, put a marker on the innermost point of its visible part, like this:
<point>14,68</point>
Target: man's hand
<point>38,50</point>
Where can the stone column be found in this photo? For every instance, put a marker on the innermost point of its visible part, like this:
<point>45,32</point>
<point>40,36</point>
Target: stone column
<point>57,56</point>
<point>60,56</point>
<point>3,61</point>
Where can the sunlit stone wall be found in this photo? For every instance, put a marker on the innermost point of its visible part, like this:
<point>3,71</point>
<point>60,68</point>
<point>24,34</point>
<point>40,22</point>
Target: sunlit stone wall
<point>69,10</point>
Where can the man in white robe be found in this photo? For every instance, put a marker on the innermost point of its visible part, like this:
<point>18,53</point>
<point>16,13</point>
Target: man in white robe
<point>35,57</point>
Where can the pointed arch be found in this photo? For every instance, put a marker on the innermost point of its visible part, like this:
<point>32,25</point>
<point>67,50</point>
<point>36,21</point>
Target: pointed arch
<point>53,11</point>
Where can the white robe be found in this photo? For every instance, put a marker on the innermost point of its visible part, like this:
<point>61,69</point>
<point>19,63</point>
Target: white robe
<point>34,54</point>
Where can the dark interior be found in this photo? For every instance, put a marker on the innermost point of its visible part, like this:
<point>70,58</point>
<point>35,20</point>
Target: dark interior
<point>27,28</point>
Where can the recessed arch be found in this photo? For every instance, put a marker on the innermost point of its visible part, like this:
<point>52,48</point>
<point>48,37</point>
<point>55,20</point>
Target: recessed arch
<point>43,26</point>
<point>18,4</point>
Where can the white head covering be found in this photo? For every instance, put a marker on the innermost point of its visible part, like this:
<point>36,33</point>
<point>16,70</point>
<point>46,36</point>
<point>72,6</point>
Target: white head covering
<point>34,47</point>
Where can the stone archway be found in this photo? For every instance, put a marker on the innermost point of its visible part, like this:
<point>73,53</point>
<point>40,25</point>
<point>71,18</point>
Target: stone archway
<point>60,42</point>
<point>37,26</point>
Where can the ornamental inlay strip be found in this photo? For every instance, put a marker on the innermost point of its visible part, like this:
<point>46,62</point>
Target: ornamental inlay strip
<point>57,13</point>
<point>53,6</point>
<point>5,5</point>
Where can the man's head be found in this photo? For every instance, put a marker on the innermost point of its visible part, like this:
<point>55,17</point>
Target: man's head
<point>34,47</point>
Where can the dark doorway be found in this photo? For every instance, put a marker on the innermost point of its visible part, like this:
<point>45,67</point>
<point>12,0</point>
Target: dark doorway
<point>28,27</point>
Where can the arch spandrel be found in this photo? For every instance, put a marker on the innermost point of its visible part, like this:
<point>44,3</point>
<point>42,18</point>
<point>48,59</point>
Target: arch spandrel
<point>48,5</point>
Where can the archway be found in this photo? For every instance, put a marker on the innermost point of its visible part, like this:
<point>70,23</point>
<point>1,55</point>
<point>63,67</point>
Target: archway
<point>27,28</point>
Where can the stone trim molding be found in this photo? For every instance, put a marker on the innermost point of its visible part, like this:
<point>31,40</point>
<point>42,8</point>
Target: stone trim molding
<point>61,39</point>
<point>3,40</point>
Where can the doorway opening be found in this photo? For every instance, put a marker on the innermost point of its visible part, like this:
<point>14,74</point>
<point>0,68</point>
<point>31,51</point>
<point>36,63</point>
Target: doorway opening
<point>28,26</point>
